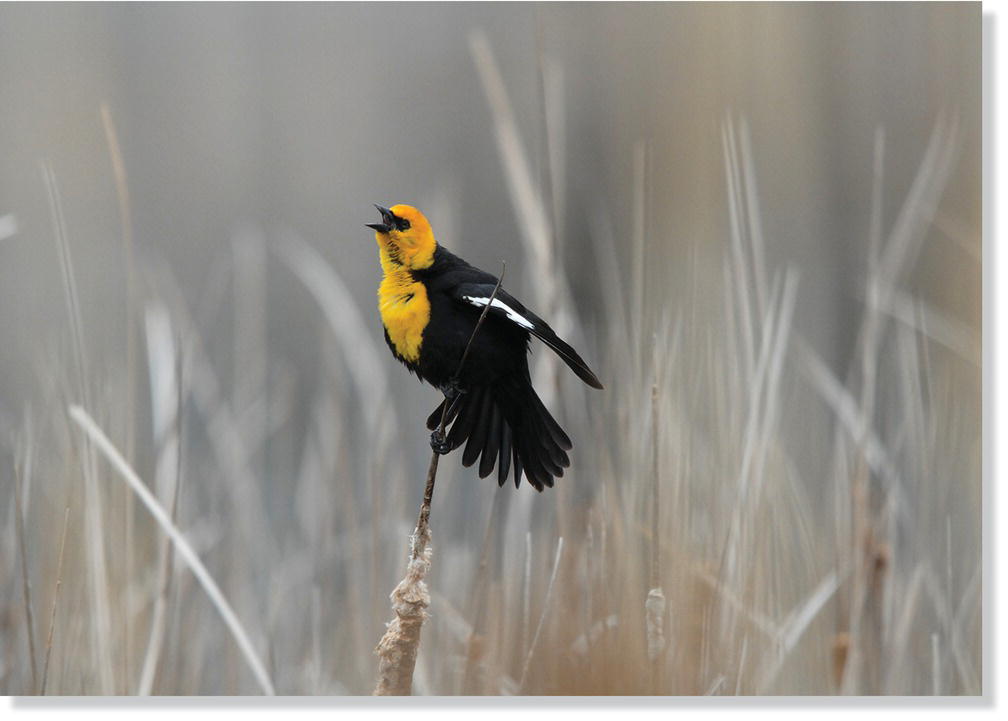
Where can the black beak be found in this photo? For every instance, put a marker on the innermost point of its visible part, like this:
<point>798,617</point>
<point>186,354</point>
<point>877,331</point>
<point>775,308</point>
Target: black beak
<point>388,220</point>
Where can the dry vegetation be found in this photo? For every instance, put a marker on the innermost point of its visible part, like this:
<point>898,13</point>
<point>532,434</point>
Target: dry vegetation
<point>693,548</point>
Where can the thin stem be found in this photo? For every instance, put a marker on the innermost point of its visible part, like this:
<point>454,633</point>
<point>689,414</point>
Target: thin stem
<point>422,534</point>
<point>25,581</point>
<point>156,637</point>
<point>52,616</point>
<point>398,647</point>
<point>182,546</point>
<point>542,617</point>
<point>655,497</point>
<point>98,580</point>
<point>654,605</point>
<point>126,223</point>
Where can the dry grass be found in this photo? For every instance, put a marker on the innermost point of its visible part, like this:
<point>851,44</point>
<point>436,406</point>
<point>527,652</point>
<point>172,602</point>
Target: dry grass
<point>741,517</point>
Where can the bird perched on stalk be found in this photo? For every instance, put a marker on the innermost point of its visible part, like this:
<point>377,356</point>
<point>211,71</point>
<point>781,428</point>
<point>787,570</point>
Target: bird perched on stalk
<point>430,302</point>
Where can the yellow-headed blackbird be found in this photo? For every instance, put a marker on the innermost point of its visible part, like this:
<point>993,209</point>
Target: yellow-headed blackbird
<point>430,301</point>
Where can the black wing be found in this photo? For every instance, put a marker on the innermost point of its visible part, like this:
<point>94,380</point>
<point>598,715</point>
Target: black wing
<point>507,307</point>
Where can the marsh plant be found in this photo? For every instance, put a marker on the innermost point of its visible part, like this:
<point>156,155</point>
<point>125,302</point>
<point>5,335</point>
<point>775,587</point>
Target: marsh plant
<point>190,512</point>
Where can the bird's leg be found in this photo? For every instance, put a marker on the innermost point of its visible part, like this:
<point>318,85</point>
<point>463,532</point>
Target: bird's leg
<point>452,392</point>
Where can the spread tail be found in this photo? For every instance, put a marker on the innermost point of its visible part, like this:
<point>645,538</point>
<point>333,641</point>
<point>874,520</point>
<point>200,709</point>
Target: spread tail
<point>503,425</point>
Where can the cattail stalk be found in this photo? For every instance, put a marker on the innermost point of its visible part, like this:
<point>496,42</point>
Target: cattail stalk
<point>654,606</point>
<point>398,647</point>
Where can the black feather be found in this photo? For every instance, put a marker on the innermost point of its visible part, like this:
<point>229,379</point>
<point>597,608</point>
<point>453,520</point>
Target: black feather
<point>434,419</point>
<point>540,328</point>
<point>569,355</point>
<point>505,454</point>
<point>532,461</point>
<point>552,454</point>
<point>468,416</point>
<point>478,436</point>
<point>493,441</point>
<point>558,434</point>
<point>551,457</point>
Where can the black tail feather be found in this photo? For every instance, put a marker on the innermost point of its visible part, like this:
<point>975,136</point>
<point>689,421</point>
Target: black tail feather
<point>492,444</point>
<point>468,415</point>
<point>553,450</point>
<point>561,438</point>
<point>481,429</point>
<point>507,426</point>
<point>434,419</point>
<point>550,456</point>
<point>505,453</point>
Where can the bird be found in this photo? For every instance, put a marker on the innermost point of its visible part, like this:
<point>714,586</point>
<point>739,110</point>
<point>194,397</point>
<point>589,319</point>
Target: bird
<point>430,301</point>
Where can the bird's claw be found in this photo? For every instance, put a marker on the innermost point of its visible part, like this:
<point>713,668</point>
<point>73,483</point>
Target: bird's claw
<point>438,443</point>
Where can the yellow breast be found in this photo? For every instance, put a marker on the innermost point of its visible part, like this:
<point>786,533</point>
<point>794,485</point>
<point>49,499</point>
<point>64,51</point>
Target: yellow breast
<point>405,312</point>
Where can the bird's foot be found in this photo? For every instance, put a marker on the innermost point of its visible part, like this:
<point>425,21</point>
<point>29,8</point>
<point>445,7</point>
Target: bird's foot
<point>438,443</point>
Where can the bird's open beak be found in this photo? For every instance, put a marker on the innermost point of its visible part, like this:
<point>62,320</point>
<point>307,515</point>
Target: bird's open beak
<point>387,220</point>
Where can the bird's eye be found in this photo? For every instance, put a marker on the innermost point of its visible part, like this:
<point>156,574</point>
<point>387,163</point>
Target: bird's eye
<point>402,224</point>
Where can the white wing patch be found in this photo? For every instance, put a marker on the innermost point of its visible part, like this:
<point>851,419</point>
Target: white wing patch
<point>512,315</point>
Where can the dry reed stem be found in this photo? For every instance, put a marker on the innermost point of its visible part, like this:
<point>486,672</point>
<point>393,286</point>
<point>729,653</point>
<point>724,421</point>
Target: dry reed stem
<point>522,685</point>
<point>56,593</point>
<point>25,580</point>
<point>398,647</point>
<point>654,605</point>
<point>474,644</point>
<point>654,608</point>
<point>126,224</point>
<point>185,551</point>
<point>98,577</point>
<point>166,561</point>
<point>526,590</point>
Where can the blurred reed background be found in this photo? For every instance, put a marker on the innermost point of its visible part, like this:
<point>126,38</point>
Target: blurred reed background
<point>760,224</point>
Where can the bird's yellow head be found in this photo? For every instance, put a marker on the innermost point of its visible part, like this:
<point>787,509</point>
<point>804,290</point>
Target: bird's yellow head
<point>405,238</point>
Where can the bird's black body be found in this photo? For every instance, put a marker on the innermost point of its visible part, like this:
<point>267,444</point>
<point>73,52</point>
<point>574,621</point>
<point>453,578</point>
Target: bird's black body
<point>499,350</point>
<point>493,408</point>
